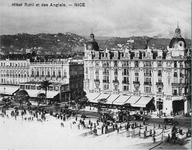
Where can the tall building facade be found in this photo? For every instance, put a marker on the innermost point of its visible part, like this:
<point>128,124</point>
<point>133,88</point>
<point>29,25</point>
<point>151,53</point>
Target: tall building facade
<point>66,76</point>
<point>162,75</point>
<point>14,71</point>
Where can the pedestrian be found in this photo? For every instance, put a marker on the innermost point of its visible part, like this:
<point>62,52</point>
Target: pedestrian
<point>91,125</point>
<point>150,132</point>
<point>135,124</point>
<point>106,128</point>
<point>139,132</point>
<point>102,129</point>
<point>133,133</point>
<point>117,129</point>
<point>168,138</point>
<point>143,121</point>
<point>144,134</point>
<point>154,139</point>
<point>113,126</point>
<point>125,127</point>
<point>145,128</point>
<point>132,126</point>
<point>154,132</point>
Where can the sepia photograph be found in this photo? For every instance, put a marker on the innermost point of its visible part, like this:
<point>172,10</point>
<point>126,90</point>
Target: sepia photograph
<point>95,74</point>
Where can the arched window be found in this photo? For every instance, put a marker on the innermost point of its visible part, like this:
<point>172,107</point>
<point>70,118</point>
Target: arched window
<point>32,73</point>
<point>37,73</point>
<point>22,74</point>
<point>59,74</point>
<point>42,74</point>
<point>53,73</point>
<point>48,74</point>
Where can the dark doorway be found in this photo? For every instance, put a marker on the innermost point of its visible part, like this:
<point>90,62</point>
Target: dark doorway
<point>178,105</point>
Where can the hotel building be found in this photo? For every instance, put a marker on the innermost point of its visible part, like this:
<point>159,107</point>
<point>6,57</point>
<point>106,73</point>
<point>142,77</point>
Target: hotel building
<point>140,76</point>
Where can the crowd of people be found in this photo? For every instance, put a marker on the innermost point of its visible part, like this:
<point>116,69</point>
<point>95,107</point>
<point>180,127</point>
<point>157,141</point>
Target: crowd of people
<point>95,126</point>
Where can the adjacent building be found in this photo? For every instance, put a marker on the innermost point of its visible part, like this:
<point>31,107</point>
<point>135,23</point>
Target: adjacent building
<point>14,72</point>
<point>66,76</point>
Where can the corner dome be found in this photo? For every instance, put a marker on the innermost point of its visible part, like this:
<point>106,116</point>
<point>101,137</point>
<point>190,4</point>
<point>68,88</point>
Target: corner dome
<point>92,44</point>
<point>177,40</point>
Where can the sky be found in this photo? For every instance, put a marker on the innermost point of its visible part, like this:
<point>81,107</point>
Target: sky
<point>120,18</point>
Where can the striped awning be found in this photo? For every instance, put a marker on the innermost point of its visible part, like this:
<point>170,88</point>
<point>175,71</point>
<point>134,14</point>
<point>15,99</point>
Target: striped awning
<point>112,98</point>
<point>142,102</point>
<point>121,100</point>
<point>133,99</point>
<point>92,96</point>
<point>101,96</point>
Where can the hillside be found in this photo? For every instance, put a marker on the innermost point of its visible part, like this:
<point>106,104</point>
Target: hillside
<point>68,43</point>
<point>139,42</point>
<point>44,43</point>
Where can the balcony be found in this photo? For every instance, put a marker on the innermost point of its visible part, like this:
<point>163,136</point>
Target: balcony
<point>105,81</point>
<point>160,94</point>
<point>181,75</point>
<point>58,77</point>
<point>179,84</point>
<point>106,73</point>
<point>116,82</point>
<point>125,82</point>
<point>147,74</point>
<point>147,83</point>
<point>97,80</point>
<point>159,83</point>
<point>159,74</point>
<point>136,82</point>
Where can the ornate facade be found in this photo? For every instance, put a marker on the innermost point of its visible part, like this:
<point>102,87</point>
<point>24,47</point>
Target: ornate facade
<point>163,75</point>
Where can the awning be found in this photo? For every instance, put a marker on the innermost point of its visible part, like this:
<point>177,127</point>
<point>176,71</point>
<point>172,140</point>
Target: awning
<point>92,96</point>
<point>143,101</point>
<point>177,98</point>
<point>34,93</point>
<point>121,100</point>
<point>8,90</point>
<point>101,96</point>
<point>112,98</point>
<point>52,94</point>
<point>133,99</point>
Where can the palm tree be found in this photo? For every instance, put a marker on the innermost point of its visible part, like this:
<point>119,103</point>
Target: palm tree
<point>44,85</point>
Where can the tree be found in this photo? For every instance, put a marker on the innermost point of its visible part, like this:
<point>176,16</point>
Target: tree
<point>40,98</point>
<point>21,96</point>
<point>44,85</point>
